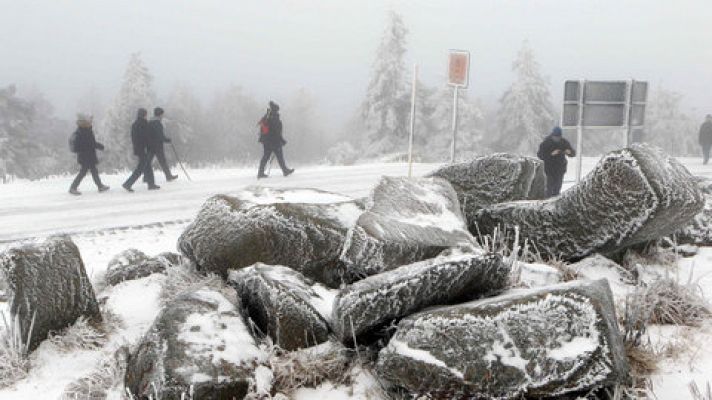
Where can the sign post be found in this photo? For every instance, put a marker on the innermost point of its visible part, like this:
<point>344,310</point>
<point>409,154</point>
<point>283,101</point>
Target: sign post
<point>412,120</point>
<point>458,77</point>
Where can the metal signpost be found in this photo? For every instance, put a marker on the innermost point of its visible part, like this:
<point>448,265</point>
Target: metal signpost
<point>603,105</point>
<point>458,77</point>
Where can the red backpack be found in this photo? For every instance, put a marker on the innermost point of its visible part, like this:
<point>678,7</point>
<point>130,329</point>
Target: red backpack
<point>264,126</point>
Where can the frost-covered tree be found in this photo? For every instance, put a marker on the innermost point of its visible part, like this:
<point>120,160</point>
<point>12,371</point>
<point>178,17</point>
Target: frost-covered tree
<point>185,124</point>
<point>232,126</point>
<point>470,127</point>
<point>306,139</point>
<point>18,150</point>
<point>526,113</point>
<point>668,126</point>
<point>385,109</point>
<point>115,129</point>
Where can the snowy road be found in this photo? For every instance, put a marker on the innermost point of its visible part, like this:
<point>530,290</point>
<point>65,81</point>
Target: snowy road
<point>37,209</point>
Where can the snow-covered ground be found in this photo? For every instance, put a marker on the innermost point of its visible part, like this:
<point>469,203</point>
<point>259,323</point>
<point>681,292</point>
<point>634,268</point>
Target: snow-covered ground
<point>104,224</point>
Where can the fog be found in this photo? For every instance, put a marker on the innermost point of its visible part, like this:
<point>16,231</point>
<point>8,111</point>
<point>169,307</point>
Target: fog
<point>272,48</point>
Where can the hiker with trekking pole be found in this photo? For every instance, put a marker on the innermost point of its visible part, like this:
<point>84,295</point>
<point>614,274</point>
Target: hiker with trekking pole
<point>270,135</point>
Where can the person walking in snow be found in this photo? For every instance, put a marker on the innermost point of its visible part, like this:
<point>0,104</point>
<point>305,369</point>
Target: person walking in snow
<point>272,140</point>
<point>85,145</point>
<point>706,138</point>
<point>140,133</point>
<point>553,151</point>
<point>156,140</point>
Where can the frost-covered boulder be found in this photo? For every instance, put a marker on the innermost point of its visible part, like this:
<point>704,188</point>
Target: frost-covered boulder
<point>283,304</point>
<point>134,264</point>
<point>699,230</point>
<point>536,342</point>
<point>406,220</point>
<point>198,347</point>
<point>48,288</point>
<point>300,228</point>
<point>633,196</point>
<point>367,305</point>
<point>535,275</point>
<point>493,179</point>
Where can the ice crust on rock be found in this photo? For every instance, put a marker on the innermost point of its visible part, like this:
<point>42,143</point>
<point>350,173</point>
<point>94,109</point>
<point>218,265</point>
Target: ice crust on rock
<point>493,179</point>
<point>134,264</point>
<point>406,220</point>
<point>539,342</point>
<point>264,225</point>
<point>47,282</point>
<point>364,306</point>
<point>282,304</point>
<point>699,230</point>
<point>199,343</point>
<point>633,196</point>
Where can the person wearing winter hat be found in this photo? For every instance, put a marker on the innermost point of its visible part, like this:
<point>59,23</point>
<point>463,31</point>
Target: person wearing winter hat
<point>553,151</point>
<point>272,141</point>
<point>85,145</point>
<point>706,138</point>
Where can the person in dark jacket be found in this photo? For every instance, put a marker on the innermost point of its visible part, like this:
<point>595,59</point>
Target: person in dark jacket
<point>139,138</point>
<point>85,145</point>
<point>272,140</point>
<point>156,139</point>
<point>706,138</point>
<point>553,151</point>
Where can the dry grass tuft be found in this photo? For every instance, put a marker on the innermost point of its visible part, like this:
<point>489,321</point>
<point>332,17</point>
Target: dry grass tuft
<point>85,334</point>
<point>673,303</point>
<point>700,394</point>
<point>14,361</point>
<point>108,374</point>
<point>185,278</point>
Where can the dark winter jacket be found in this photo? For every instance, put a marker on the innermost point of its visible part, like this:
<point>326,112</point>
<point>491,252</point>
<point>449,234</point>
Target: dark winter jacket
<point>706,133</point>
<point>156,136</point>
<point>273,139</point>
<point>140,133</point>
<point>86,146</point>
<point>554,164</point>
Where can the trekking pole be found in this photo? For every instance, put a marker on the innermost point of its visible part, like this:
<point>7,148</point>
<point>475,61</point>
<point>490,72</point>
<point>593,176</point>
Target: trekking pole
<point>271,159</point>
<point>179,162</point>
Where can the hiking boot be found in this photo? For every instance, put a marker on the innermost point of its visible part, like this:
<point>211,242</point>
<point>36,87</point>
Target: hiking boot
<point>127,187</point>
<point>289,172</point>
<point>153,187</point>
<point>171,178</point>
<point>74,192</point>
<point>103,188</point>
<point>260,176</point>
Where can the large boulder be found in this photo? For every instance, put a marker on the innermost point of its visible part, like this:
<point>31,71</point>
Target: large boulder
<point>367,305</point>
<point>282,303</point>
<point>633,196</point>
<point>406,220</point>
<point>198,347</point>
<point>536,342</point>
<point>48,288</point>
<point>699,230</point>
<point>300,228</point>
<point>134,264</point>
<point>492,179</point>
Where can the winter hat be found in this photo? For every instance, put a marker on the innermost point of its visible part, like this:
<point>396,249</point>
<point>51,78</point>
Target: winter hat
<point>273,106</point>
<point>142,113</point>
<point>84,119</point>
<point>556,131</point>
<point>158,111</point>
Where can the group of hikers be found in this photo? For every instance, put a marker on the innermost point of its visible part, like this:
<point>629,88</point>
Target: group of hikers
<point>148,139</point>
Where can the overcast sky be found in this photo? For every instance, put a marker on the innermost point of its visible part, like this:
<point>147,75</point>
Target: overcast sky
<point>272,48</point>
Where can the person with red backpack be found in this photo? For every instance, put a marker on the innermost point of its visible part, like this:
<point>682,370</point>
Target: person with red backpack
<point>270,136</point>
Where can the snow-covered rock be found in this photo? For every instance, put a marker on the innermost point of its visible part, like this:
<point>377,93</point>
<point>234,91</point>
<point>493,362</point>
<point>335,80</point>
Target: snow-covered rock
<point>633,196</point>
<point>534,275</point>
<point>699,230</point>
<point>282,304</point>
<point>48,288</point>
<point>367,305</point>
<point>493,179</point>
<point>406,220</point>
<point>134,264</point>
<point>300,228</point>
<point>541,342</point>
<point>597,267</point>
<point>199,346</point>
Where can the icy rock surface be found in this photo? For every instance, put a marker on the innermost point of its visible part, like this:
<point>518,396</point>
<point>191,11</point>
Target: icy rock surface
<point>493,179</point>
<point>406,220</point>
<point>534,275</point>
<point>632,196</point>
<point>300,228</point>
<point>369,304</point>
<point>699,230</point>
<point>199,345</point>
<point>540,342</point>
<point>281,303</point>
<point>47,282</point>
<point>134,264</point>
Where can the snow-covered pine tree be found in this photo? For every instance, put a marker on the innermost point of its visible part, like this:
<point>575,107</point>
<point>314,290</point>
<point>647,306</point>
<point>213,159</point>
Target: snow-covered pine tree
<point>385,109</point>
<point>17,149</point>
<point>470,127</point>
<point>115,129</point>
<point>185,124</point>
<point>526,113</point>
<point>232,126</point>
<point>667,126</point>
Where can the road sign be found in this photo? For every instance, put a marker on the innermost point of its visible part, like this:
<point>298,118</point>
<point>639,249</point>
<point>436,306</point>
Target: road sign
<point>458,68</point>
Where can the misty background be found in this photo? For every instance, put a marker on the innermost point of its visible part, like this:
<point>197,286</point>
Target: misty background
<point>319,60</point>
